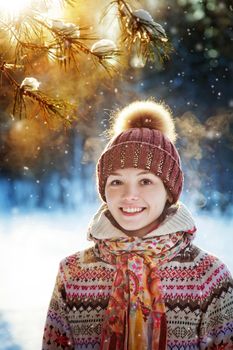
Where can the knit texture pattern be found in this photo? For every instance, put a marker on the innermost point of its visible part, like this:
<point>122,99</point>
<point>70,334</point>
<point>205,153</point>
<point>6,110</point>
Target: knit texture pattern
<point>142,148</point>
<point>197,290</point>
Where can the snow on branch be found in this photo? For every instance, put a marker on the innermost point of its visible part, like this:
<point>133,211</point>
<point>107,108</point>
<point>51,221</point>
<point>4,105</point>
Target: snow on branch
<point>141,33</point>
<point>27,95</point>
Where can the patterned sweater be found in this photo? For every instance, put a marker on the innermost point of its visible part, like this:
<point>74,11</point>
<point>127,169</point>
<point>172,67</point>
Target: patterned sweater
<point>197,288</point>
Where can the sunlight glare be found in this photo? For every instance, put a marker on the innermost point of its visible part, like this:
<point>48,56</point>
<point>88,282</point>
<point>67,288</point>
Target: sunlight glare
<point>55,9</point>
<point>13,8</point>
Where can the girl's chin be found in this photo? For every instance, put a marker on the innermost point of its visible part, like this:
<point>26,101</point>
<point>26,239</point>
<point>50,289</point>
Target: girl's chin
<point>139,229</point>
<point>131,227</point>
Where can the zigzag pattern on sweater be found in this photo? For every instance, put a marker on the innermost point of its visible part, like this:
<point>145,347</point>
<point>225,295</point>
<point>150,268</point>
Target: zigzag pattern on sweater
<point>198,293</point>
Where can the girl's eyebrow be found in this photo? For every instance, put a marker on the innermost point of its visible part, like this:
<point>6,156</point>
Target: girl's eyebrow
<point>141,173</point>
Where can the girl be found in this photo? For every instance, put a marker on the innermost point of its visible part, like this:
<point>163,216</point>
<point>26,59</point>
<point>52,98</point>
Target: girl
<point>143,284</point>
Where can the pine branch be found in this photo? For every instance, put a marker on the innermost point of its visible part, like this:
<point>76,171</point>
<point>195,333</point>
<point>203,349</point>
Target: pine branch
<point>66,44</point>
<point>28,92</point>
<point>33,34</point>
<point>141,33</point>
<point>68,2</point>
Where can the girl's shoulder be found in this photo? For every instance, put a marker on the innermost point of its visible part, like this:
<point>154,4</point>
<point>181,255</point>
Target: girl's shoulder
<point>208,260</point>
<point>81,268</point>
<point>82,257</point>
<point>83,263</point>
<point>204,264</point>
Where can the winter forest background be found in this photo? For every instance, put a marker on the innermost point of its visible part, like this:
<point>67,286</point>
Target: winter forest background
<point>48,153</point>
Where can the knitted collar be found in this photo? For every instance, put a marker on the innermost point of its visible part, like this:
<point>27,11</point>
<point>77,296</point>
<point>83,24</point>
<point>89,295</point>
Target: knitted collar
<point>100,226</point>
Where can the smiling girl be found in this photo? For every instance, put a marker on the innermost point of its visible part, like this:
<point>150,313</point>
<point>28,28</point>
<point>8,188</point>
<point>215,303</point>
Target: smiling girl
<point>136,199</point>
<point>143,284</point>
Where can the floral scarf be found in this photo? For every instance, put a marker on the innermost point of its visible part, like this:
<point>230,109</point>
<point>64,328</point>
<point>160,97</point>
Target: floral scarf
<point>135,318</point>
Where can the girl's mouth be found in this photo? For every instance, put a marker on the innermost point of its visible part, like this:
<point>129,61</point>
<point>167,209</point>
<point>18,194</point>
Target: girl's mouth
<point>132,212</point>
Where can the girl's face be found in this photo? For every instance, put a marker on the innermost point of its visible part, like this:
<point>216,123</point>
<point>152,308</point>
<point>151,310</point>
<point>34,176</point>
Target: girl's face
<point>135,197</point>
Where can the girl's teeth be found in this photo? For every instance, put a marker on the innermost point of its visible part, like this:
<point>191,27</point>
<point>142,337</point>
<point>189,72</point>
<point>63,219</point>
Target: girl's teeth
<point>132,210</point>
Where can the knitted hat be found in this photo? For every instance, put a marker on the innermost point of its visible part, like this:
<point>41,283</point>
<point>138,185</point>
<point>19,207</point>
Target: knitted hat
<point>144,137</point>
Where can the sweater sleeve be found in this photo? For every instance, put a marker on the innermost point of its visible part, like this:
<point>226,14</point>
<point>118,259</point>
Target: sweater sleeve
<point>57,332</point>
<point>216,327</point>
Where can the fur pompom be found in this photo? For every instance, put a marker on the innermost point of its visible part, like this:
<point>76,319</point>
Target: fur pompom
<point>145,114</point>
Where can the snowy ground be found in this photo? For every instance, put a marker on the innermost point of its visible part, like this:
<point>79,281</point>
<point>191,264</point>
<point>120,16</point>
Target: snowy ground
<point>31,247</point>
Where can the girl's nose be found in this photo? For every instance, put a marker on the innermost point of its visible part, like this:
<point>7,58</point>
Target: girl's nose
<point>130,193</point>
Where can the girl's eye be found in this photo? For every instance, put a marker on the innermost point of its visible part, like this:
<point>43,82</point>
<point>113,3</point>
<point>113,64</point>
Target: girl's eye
<point>115,182</point>
<point>146,181</point>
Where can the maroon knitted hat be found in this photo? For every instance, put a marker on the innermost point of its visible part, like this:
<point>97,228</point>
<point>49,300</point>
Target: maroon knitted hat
<point>144,136</point>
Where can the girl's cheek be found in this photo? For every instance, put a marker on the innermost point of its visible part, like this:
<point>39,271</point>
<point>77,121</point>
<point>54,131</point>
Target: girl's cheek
<point>113,191</point>
<point>147,190</point>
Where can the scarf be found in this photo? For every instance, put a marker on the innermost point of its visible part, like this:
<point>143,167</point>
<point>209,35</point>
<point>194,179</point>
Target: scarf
<point>136,317</point>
